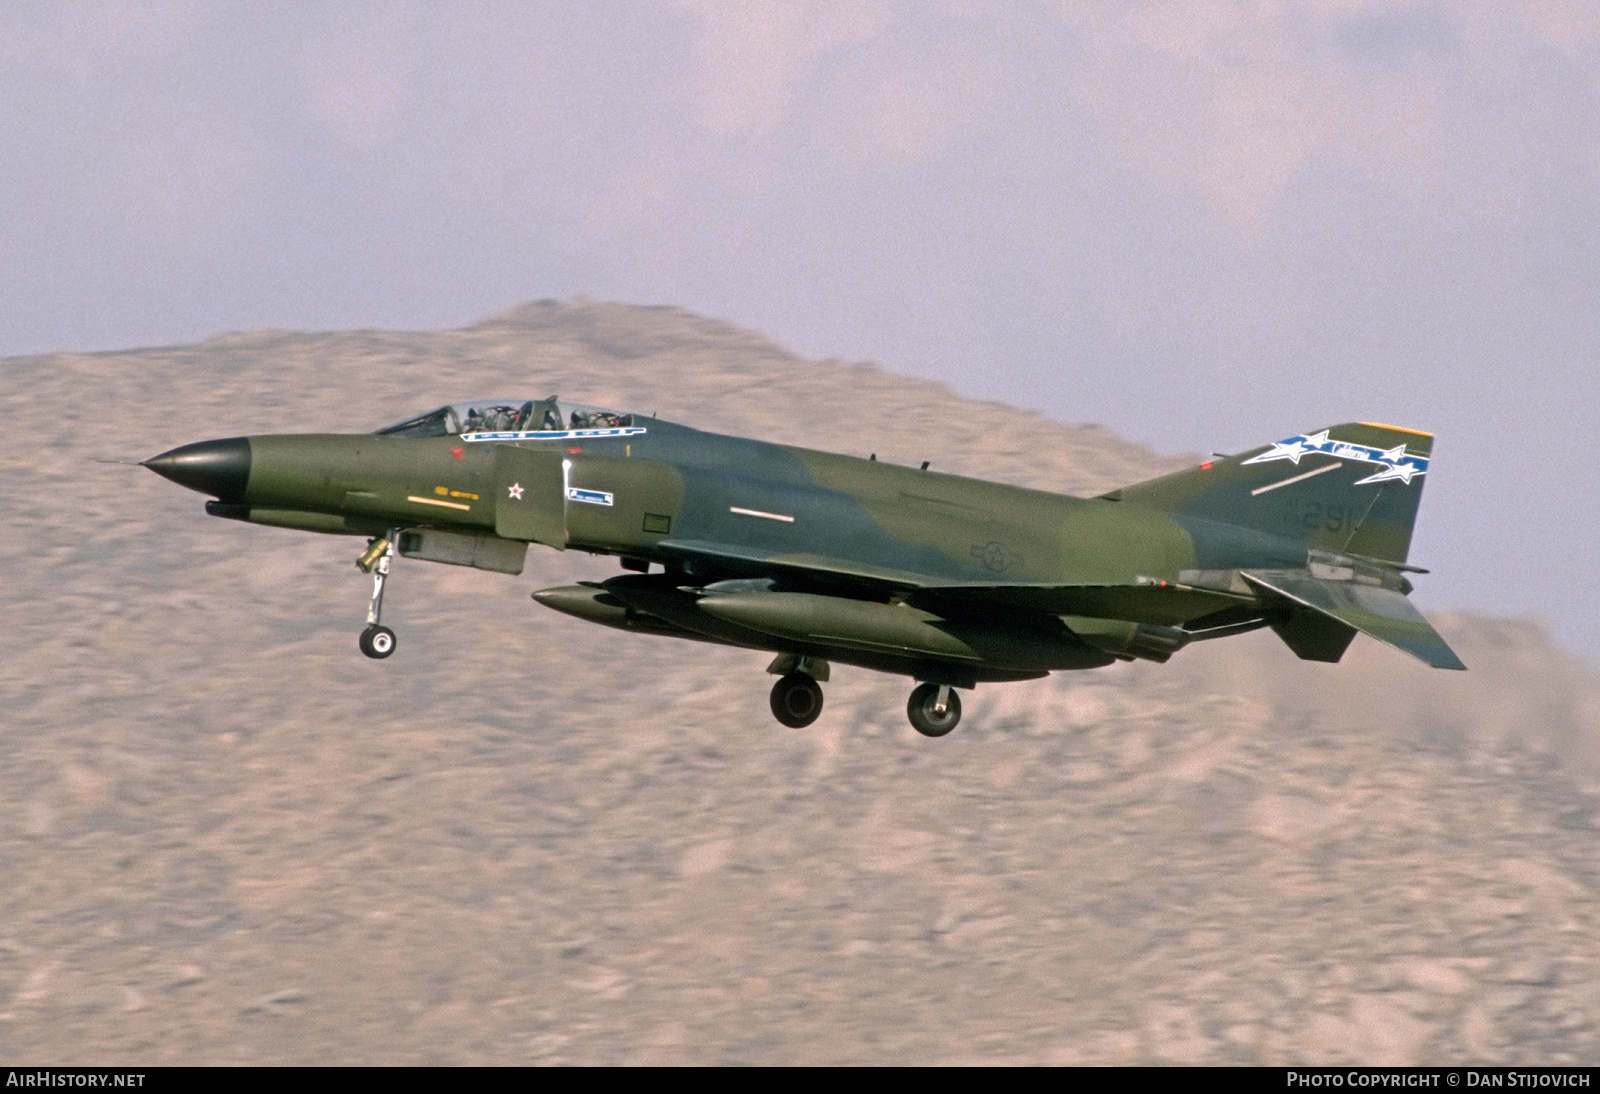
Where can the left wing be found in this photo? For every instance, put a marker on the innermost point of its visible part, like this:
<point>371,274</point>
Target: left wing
<point>1150,600</point>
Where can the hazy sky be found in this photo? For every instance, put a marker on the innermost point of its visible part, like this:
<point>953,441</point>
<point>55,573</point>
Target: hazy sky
<point>1206,224</point>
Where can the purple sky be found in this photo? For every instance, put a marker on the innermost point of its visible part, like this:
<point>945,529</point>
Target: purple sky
<point>1205,224</point>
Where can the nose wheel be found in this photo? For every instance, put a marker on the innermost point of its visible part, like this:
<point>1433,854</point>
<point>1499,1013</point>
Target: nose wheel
<point>934,709</point>
<point>377,641</point>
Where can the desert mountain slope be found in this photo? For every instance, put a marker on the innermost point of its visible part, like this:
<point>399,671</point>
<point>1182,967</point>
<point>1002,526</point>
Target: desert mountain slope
<point>228,837</point>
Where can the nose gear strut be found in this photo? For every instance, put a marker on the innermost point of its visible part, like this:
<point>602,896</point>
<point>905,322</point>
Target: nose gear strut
<point>377,641</point>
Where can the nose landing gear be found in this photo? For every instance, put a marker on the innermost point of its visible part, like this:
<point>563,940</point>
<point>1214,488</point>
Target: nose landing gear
<point>377,641</point>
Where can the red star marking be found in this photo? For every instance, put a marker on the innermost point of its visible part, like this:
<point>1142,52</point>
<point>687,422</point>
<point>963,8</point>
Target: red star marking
<point>458,452</point>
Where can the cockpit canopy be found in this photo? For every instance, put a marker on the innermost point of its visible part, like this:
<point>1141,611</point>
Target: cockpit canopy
<point>511,419</point>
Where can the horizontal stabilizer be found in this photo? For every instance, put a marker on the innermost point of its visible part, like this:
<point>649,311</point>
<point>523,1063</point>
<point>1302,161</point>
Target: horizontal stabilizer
<point>1385,614</point>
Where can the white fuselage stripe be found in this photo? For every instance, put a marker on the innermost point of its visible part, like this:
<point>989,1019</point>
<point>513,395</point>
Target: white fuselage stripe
<point>759,513</point>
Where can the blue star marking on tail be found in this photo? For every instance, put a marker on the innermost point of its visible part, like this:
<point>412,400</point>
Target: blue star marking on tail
<point>1293,448</point>
<point>1395,463</point>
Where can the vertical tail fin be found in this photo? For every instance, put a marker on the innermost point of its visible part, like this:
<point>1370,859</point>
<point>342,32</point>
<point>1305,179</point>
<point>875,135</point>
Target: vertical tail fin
<point>1350,489</point>
<point>1341,495</point>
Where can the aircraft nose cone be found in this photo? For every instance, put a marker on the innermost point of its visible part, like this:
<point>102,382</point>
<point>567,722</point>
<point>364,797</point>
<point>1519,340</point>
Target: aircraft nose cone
<point>218,468</point>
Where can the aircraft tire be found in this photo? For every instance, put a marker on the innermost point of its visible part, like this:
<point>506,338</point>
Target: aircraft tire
<point>923,719</point>
<point>377,642</point>
<point>797,700</point>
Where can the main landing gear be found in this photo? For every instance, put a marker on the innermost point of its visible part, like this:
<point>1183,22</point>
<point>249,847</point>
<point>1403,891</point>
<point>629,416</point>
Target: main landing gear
<point>377,641</point>
<point>796,700</point>
<point>934,709</point>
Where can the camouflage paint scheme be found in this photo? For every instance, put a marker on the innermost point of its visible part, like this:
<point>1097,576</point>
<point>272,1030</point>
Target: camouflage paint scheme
<point>819,557</point>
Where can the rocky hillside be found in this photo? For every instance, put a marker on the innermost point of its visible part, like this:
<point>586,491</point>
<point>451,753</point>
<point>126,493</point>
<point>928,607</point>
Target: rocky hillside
<point>228,837</point>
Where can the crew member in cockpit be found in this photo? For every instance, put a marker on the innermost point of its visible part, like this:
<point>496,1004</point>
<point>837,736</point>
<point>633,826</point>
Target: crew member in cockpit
<point>550,421</point>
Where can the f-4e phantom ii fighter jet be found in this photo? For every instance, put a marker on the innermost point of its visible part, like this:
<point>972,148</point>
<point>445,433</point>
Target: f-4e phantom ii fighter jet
<point>820,558</point>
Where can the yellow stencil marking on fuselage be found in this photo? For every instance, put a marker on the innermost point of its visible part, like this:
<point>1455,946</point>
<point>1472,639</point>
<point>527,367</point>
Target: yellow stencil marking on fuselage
<point>436,501</point>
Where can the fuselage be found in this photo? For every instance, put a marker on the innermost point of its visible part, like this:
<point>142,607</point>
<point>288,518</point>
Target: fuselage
<point>822,557</point>
<point>648,493</point>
